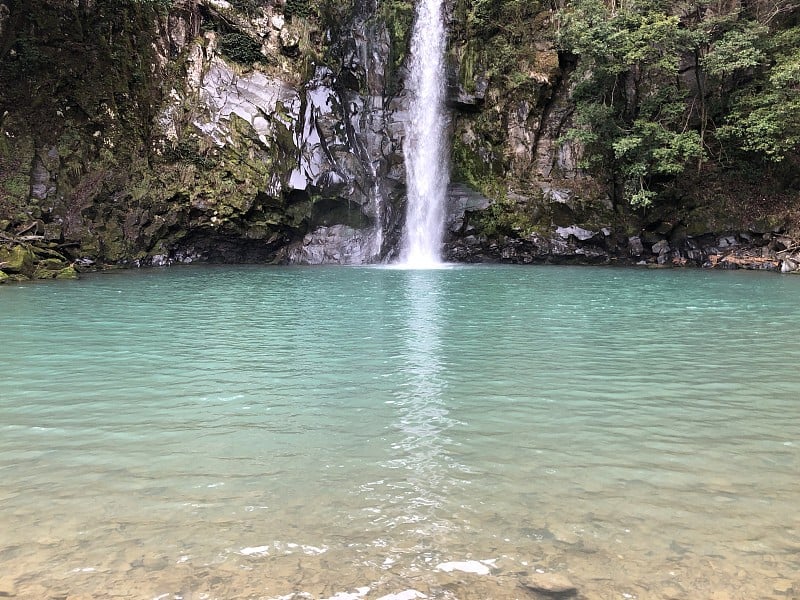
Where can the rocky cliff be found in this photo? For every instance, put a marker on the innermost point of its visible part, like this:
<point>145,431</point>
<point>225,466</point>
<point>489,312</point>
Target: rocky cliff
<point>150,132</point>
<point>200,131</point>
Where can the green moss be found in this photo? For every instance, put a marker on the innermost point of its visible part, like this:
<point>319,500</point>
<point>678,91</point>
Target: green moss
<point>20,259</point>
<point>16,158</point>
<point>299,8</point>
<point>16,185</point>
<point>67,273</point>
<point>516,219</point>
<point>240,48</point>
<point>399,18</point>
<point>249,7</point>
<point>467,65</point>
<point>470,166</point>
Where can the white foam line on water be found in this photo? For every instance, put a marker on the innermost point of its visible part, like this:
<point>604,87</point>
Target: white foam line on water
<point>359,593</point>
<point>286,548</point>
<point>424,266</point>
<point>310,550</point>
<point>255,551</point>
<point>477,567</point>
<point>404,595</point>
<point>84,570</point>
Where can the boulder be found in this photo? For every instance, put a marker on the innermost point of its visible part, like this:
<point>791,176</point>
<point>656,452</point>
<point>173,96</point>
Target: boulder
<point>19,259</point>
<point>661,247</point>
<point>67,273</point>
<point>789,266</point>
<point>550,584</point>
<point>8,587</point>
<point>635,245</point>
<point>579,232</point>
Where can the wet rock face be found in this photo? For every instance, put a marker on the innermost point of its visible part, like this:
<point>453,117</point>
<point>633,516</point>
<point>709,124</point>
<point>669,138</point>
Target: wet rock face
<point>303,140</point>
<point>331,141</point>
<point>338,244</point>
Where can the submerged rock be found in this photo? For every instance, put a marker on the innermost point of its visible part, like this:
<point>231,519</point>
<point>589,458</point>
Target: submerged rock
<point>8,588</point>
<point>550,584</point>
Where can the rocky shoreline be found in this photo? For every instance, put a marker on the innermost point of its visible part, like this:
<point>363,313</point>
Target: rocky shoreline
<point>575,245</point>
<point>27,258</point>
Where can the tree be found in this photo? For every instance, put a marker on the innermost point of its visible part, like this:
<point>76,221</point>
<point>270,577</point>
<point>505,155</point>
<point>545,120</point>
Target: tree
<point>630,105</point>
<point>765,115</point>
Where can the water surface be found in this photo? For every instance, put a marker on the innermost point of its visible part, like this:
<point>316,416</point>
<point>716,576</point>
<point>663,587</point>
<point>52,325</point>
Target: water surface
<point>249,432</point>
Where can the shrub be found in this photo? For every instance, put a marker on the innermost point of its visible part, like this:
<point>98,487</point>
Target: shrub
<point>240,48</point>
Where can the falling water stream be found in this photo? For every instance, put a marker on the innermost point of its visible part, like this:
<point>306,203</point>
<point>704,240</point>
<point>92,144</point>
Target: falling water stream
<point>426,147</point>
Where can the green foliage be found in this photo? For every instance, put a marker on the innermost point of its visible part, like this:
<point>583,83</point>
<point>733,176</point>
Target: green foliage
<point>506,217</point>
<point>630,108</point>
<point>669,85</point>
<point>300,8</point>
<point>486,18</point>
<point>248,7</point>
<point>505,35</point>
<point>399,18</point>
<point>736,49</point>
<point>161,6</point>
<point>188,150</point>
<point>649,150</point>
<point>662,74</point>
<point>240,48</point>
<point>765,115</point>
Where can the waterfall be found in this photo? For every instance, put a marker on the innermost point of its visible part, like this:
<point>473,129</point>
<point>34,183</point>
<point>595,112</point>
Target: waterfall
<point>425,147</point>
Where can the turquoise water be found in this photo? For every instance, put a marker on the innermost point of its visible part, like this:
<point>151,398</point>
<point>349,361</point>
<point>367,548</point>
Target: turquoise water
<point>249,432</point>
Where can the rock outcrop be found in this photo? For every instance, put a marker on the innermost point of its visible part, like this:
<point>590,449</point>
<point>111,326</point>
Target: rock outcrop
<point>240,135</point>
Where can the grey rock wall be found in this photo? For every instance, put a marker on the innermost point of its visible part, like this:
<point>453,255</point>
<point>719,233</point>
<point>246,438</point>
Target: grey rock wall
<point>333,141</point>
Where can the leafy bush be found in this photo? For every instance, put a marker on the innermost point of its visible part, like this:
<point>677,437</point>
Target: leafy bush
<point>240,48</point>
<point>249,7</point>
<point>300,8</point>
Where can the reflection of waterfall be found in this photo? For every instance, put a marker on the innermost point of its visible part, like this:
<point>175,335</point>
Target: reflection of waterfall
<point>427,171</point>
<point>422,417</point>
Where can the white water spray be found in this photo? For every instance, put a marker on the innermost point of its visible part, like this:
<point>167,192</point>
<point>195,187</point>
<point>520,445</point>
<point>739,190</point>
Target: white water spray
<point>426,150</point>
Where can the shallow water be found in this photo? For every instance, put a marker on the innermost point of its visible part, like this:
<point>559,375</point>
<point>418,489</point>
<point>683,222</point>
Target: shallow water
<point>248,432</point>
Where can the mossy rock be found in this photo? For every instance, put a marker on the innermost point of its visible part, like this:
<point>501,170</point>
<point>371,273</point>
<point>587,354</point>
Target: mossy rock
<point>3,277</point>
<point>240,48</point>
<point>19,259</point>
<point>42,273</point>
<point>53,264</point>
<point>67,273</point>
